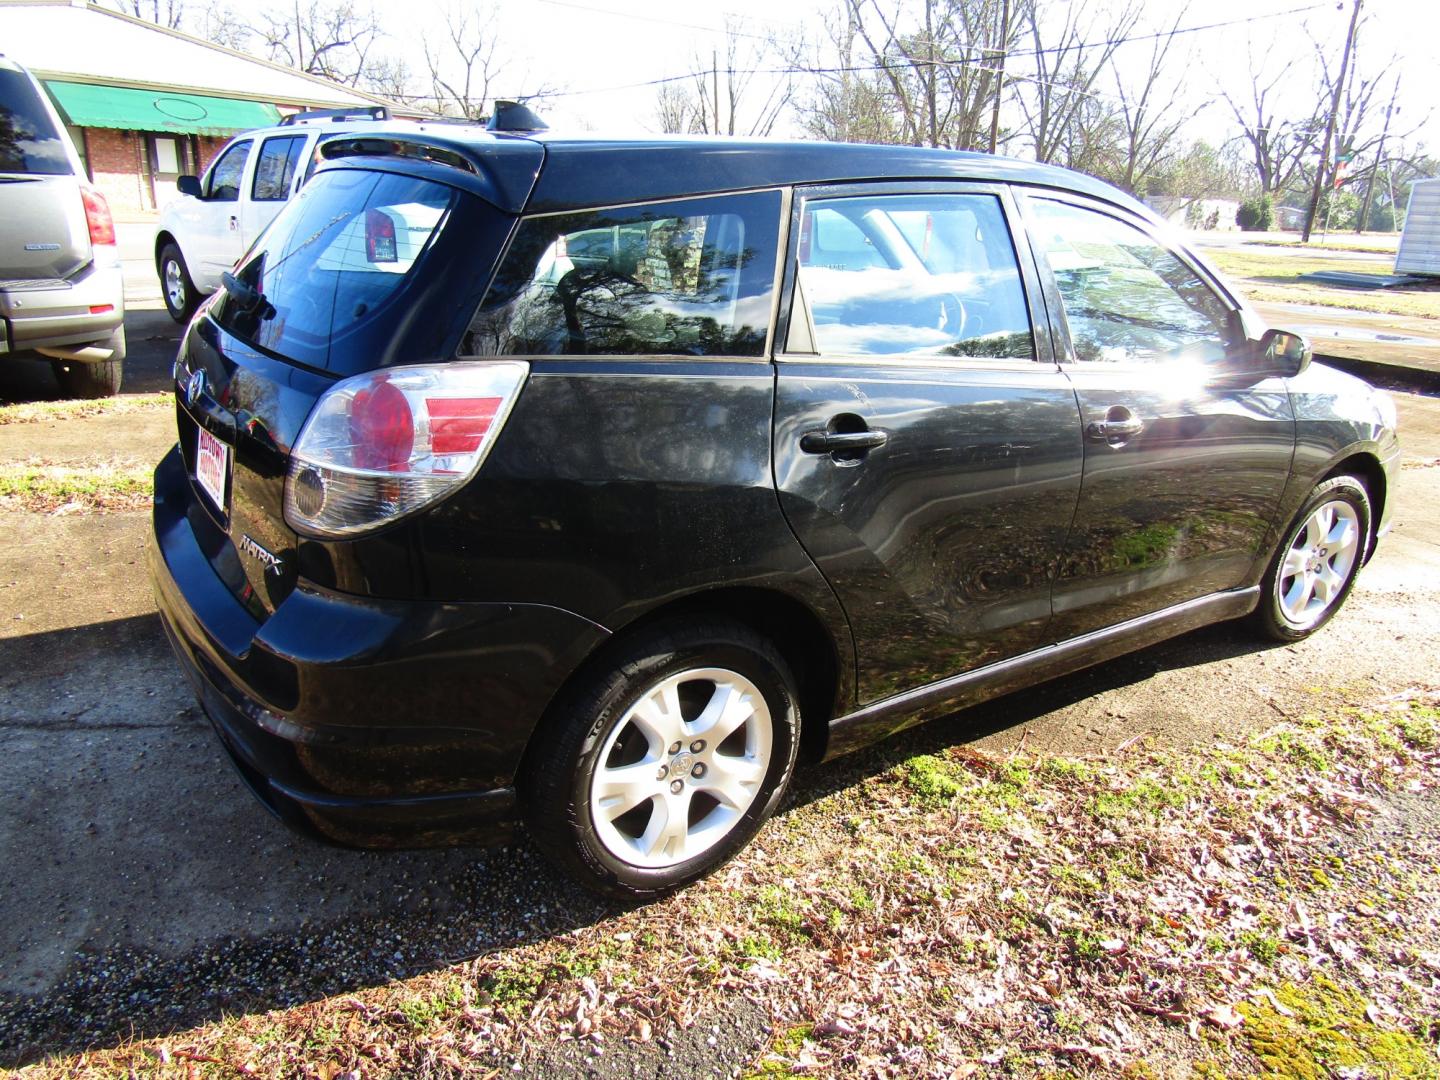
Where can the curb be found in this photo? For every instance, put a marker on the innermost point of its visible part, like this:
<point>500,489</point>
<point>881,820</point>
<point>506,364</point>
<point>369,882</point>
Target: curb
<point>1420,380</point>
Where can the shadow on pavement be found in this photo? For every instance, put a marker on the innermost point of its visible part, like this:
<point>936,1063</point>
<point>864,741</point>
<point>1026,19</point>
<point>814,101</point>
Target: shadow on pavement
<point>144,890</point>
<point>152,338</point>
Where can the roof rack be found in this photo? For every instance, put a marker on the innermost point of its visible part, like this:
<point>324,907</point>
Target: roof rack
<point>374,112</point>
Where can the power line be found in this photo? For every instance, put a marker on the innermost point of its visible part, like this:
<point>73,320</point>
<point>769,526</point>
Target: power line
<point>909,61</point>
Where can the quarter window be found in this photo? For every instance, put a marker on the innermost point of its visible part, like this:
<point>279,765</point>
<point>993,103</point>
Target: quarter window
<point>1127,298</point>
<point>926,275</point>
<point>224,182</point>
<point>275,171</point>
<point>691,278</point>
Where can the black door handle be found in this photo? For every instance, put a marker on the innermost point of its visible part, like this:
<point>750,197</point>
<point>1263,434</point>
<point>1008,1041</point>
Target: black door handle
<point>830,442</point>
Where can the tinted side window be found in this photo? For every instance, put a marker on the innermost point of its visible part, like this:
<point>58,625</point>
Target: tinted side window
<point>223,184</point>
<point>936,275</point>
<point>275,171</point>
<point>691,278</point>
<point>29,142</point>
<point>1127,298</point>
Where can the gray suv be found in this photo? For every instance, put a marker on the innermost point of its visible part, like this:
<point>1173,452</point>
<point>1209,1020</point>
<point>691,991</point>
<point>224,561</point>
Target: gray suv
<point>61,294</point>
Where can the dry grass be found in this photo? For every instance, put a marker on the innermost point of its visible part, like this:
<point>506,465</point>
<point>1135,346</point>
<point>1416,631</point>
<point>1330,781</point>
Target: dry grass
<point>45,488</point>
<point>33,412</point>
<point>1268,908</point>
<point>1271,278</point>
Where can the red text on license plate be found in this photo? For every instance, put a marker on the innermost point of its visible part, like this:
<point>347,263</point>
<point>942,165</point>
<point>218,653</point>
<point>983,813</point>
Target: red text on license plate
<point>212,461</point>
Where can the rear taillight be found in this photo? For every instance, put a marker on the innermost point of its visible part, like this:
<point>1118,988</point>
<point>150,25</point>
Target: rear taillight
<point>380,446</point>
<point>97,216</point>
<point>379,237</point>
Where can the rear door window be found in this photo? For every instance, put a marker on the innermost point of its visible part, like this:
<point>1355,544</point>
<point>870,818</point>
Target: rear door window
<point>275,171</point>
<point>890,275</point>
<point>329,276</point>
<point>29,142</point>
<point>688,278</point>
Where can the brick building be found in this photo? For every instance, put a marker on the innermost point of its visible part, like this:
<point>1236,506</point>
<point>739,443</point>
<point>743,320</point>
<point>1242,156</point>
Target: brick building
<point>145,104</point>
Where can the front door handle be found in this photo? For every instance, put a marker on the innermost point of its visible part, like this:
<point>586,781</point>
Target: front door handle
<point>1119,424</point>
<point>830,442</point>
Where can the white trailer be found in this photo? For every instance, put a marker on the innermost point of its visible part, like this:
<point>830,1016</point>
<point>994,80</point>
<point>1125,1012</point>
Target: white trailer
<point>1420,243</point>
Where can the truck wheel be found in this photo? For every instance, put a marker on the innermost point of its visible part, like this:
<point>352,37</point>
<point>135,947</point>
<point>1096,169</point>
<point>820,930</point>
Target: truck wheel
<point>179,291</point>
<point>98,379</point>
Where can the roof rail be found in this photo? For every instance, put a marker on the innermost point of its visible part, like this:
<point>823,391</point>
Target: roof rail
<point>374,112</point>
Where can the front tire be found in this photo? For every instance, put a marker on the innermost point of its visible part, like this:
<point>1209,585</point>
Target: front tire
<point>1314,569</point>
<point>181,296</point>
<point>661,763</point>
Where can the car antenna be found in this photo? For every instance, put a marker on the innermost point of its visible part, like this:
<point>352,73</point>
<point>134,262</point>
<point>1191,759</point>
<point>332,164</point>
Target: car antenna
<point>515,116</point>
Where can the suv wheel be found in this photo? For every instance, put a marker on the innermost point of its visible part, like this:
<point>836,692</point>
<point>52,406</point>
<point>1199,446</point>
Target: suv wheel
<point>1314,569</point>
<point>82,379</point>
<point>175,284</point>
<point>661,765</point>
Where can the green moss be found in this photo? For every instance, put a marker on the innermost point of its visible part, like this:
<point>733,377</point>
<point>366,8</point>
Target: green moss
<point>1329,1032</point>
<point>931,778</point>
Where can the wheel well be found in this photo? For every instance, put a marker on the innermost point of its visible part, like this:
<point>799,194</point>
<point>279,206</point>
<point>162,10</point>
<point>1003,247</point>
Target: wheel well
<point>785,622</point>
<point>1368,471</point>
<point>161,239</point>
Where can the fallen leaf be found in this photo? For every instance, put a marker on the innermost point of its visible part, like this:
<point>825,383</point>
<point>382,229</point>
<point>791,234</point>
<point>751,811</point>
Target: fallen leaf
<point>1223,1016</point>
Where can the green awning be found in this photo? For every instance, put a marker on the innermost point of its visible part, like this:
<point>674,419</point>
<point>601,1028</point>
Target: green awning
<point>87,105</point>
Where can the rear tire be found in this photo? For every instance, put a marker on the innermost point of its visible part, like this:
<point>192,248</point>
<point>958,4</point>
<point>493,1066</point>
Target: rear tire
<point>79,379</point>
<point>179,292</point>
<point>1314,568</point>
<point>623,789</point>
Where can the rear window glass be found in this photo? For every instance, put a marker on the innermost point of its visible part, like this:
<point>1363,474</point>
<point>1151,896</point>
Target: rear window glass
<point>332,272</point>
<point>29,142</point>
<point>689,278</point>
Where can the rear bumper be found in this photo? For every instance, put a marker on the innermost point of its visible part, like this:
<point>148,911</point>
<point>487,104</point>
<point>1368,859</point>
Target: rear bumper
<point>54,314</point>
<point>368,722</point>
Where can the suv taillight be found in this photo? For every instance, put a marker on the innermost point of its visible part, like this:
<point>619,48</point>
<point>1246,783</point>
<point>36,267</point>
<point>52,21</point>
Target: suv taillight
<point>97,216</point>
<point>381,446</point>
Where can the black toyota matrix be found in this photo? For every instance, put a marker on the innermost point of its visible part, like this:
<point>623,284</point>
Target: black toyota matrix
<point>588,483</point>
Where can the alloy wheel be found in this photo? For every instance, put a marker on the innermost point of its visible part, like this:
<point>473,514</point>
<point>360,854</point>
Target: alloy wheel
<point>681,766</point>
<point>1319,562</point>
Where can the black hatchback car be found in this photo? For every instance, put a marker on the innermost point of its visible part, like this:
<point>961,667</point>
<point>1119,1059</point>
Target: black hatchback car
<point>588,483</point>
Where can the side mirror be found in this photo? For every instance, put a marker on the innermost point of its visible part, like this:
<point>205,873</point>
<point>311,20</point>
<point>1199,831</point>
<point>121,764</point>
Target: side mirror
<point>1283,352</point>
<point>189,185</point>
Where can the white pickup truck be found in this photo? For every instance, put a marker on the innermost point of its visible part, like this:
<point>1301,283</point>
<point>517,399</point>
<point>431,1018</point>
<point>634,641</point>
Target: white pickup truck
<point>216,218</point>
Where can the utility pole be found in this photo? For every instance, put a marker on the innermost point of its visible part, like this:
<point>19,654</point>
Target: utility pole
<point>1000,75</point>
<point>1364,221</point>
<point>1330,124</point>
<point>715,86</point>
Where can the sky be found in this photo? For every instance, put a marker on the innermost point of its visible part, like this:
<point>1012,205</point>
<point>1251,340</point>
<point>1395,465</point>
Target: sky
<point>596,50</point>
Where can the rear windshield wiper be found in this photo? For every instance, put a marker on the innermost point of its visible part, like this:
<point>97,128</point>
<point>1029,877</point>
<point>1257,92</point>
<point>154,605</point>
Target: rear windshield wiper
<point>250,299</point>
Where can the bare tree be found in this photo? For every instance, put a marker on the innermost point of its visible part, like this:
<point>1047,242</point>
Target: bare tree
<point>464,63</point>
<point>329,38</point>
<point>742,90</point>
<point>847,104</point>
<point>166,13</point>
<point>1068,51</point>
<point>935,65</point>
<point>1277,144</point>
<point>1152,110</point>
